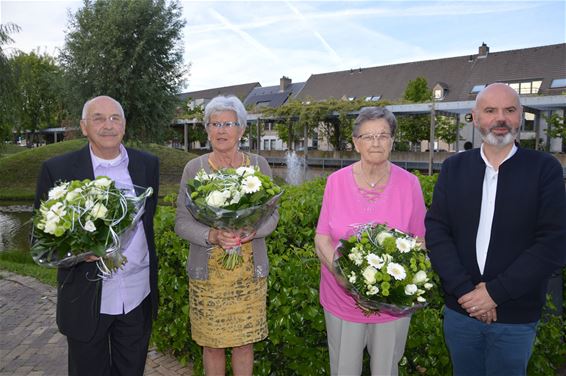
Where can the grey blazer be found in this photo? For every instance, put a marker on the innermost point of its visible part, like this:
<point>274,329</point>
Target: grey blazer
<point>188,228</point>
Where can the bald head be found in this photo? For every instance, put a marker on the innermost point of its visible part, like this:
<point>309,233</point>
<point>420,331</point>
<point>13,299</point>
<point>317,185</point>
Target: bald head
<point>498,90</point>
<point>101,98</point>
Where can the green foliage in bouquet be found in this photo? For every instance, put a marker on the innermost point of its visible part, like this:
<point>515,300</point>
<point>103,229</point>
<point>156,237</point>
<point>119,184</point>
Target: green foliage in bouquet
<point>232,189</point>
<point>81,216</point>
<point>385,269</point>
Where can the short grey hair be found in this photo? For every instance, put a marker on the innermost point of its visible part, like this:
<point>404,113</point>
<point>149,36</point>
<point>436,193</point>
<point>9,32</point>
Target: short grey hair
<point>89,102</point>
<point>374,113</point>
<point>226,103</point>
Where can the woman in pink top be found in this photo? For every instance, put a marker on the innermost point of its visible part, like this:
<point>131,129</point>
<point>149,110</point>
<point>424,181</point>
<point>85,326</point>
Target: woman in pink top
<point>372,190</point>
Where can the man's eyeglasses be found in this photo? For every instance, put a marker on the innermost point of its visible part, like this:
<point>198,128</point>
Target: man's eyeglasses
<point>100,119</point>
<point>379,137</point>
<point>222,124</point>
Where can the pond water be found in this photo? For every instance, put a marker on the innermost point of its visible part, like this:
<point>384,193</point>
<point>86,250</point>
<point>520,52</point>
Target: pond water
<point>15,226</point>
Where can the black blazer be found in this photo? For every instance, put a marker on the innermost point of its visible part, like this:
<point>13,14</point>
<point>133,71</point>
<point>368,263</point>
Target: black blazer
<point>79,290</point>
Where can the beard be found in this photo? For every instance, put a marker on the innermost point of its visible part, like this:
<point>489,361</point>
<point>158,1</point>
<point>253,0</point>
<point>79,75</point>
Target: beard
<point>490,138</point>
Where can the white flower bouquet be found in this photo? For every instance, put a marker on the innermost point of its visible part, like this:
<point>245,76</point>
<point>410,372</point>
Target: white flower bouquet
<point>86,218</point>
<point>385,270</point>
<point>232,199</point>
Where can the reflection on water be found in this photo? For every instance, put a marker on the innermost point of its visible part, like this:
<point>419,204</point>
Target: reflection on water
<point>15,227</point>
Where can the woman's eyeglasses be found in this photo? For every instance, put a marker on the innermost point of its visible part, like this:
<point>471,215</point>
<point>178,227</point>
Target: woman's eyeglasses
<point>379,137</point>
<point>222,124</point>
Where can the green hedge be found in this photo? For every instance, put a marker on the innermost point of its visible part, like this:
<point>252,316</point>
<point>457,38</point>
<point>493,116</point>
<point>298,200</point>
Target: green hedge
<point>296,344</point>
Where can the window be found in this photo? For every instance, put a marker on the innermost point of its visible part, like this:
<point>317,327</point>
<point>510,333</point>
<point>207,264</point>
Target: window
<point>526,87</point>
<point>351,98</point>
<point>529,123</point>
<point>559,82</point>
<point>373,98</point>
<point>477,88</point>
<point>265,144</point>
<point>438,93</point>
<point>272,145</point>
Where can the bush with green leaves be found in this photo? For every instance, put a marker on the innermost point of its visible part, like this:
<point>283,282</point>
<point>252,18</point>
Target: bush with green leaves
<point>296,344</point>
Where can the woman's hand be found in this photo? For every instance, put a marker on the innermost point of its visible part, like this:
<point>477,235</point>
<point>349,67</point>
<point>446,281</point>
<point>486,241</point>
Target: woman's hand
<point>324,250</point>
<point>227,239</point>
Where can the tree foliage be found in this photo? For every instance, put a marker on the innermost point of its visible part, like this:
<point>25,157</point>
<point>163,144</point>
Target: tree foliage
<point>332,119</point>
<point>6,81</point>
<point>415,127</point>
<point>195,113</point>
<point>447,129</point>
<point>130,50</point>
<point>37,101</point>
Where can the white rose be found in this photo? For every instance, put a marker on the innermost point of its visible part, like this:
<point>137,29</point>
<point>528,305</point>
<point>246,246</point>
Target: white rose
<point>215,199</point>
<point>428,285</point>
<point>382,236</point>
<point>410,289</point>
<point>403,245</point>
<point>372,290</point>
<point>396,271</point>
<point>244,171</point>
<point>236,197</point>
<point>99,211</point>
<point>58,209</point>
<point>375,261</point>
<point>369,275</point>
<point>102,182</point>
<point>420,299</point>
<point>251,184</point>
<point>57,192</point>
<point>50,227</point>
<point>90,227</point>
<point>420,277</point>
<point>73,194</point>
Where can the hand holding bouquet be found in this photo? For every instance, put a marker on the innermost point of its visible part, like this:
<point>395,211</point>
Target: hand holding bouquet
<point>81,219</point>
<point>385,270</point>
<point>237,200</point>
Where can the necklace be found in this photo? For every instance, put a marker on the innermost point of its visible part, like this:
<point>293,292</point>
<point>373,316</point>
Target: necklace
<point>245,162</point>
<point>373,185</point>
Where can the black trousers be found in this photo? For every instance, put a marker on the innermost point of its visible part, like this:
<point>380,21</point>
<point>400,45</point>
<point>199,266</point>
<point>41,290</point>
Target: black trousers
<point>118,348</point>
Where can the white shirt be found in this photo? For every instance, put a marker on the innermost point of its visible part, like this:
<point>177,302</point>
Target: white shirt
<point>126,288</point>
<point>489,192</point>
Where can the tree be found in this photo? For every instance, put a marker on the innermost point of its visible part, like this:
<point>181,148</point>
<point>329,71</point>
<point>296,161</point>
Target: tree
<point>332,119</point>
<point>447,129</point>
<point>38,96</point>
<point>6,82</point>
<point>556,127</point>
<point>196,131</point>
<point>415,128</point>
<point>130,50</point>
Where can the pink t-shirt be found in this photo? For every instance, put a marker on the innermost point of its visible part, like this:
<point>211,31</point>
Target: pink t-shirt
<point>401,206</point>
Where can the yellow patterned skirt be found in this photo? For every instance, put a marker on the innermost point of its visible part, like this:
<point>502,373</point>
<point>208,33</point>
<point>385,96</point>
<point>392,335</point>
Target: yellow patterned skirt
<point>228,309</point>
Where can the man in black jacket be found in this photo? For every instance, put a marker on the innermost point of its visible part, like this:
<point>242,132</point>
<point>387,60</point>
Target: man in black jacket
<point>107,321</point>
<point>496,231</point>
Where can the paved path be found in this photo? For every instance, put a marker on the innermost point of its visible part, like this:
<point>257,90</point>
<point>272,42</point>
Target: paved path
<point>31,345</point>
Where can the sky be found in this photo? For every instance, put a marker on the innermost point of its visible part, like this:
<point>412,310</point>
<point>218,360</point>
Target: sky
<point>236,42</point>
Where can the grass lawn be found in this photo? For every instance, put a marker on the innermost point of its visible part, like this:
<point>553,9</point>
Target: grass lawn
<point>19,170</point>
<point>20,262</point>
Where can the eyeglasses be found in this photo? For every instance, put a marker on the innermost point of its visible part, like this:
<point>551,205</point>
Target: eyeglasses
<point>222,124</point>
<point>379,137</point>
<point>100,119</point>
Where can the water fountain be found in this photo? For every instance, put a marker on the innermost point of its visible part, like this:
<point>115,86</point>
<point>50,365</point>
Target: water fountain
<point>295,168</point>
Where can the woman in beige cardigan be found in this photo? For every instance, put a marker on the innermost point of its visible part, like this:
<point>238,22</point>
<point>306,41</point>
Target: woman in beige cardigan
<point>227,307</point>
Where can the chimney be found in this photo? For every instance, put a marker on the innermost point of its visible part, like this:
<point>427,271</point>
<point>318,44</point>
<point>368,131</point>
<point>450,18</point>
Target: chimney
<point>483,50</point>
<point>284,83</point>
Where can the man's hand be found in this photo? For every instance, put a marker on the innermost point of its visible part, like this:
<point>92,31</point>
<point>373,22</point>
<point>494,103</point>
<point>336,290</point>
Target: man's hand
<point>479,304</point>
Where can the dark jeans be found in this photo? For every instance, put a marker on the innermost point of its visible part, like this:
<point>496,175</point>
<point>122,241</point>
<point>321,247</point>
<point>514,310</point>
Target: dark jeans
<point>495,349</point>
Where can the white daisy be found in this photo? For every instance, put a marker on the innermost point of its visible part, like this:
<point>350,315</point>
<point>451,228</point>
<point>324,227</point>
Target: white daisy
<point>375,261</point>
<point>396,271</point>
<point>251,184</point>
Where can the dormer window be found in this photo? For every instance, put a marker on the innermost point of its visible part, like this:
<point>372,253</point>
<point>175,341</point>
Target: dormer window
<point>477,88</point>
<point>558,83</point>
<point>439,91</point>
